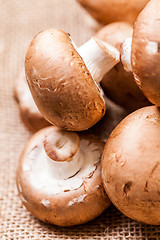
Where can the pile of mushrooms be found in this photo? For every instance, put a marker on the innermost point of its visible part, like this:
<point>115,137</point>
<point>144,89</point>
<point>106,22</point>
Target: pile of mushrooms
<point>131,158</point>
<point>60,177</point>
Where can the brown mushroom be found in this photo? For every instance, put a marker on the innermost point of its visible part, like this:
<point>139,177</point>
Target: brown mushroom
<point>29,112</point>
<point>58,177</point>
<point>63,79</point>
<point>141,53</point>
<point>107,11</point>
<point>131,165</point>
<point>146,51</point>
<point>118,84</point>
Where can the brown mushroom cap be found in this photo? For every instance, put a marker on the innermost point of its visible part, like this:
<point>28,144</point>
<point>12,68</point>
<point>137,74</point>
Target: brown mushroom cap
<point>29,112</point>
<point>131,165</point>
<point>118,84</point>
<point>60,83</point>
<point>70,206</point>
<point>107,11</point>
<point>145,56</point>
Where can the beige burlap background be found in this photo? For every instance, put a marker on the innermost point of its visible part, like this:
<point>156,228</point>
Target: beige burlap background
<point>20,20</point>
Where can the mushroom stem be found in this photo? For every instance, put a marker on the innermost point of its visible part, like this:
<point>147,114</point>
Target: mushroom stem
<point>65,170</point>
<point>63,153</point>
<point>126,54</point>
<point>99,57</point>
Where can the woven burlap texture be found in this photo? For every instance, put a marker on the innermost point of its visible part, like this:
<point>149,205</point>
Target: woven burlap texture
<point>20,21</point>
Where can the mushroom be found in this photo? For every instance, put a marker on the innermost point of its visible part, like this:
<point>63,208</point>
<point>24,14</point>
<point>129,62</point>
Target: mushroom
<point>118,84</point>
<point>107,11</point>
<point>63,79</point>
<point>58,177</point>
<point>144,52</point>
<point>131,165</point>
<point>29,112</point>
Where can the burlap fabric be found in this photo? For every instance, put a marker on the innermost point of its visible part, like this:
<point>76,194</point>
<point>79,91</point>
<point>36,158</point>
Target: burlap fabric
<point>20,20</point>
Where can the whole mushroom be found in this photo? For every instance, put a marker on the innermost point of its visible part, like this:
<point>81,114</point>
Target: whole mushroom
<point>118,84</point>
<point>63,79</point>
<point>141,53</point>
<point>29,112</point>
<point>131,165</point>
<point>107,11</point>
<point>58,177</point>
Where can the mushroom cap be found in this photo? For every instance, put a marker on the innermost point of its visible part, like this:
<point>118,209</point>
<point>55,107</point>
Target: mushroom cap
<point>131,165</point>
<point>118,84</point>
<point>29,112</point>
<point>60,83</point>
<point>145,56</point>
<point>107,11</point>
<point>65,208</point>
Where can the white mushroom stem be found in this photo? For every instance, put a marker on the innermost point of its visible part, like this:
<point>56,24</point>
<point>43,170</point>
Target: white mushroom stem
<point>99,57</point>
<point>63,153</point>
<point>126,54</point>
<point>65,170</point>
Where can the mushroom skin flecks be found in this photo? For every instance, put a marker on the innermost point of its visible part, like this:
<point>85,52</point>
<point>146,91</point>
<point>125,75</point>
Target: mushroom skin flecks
<point>62,192</point>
